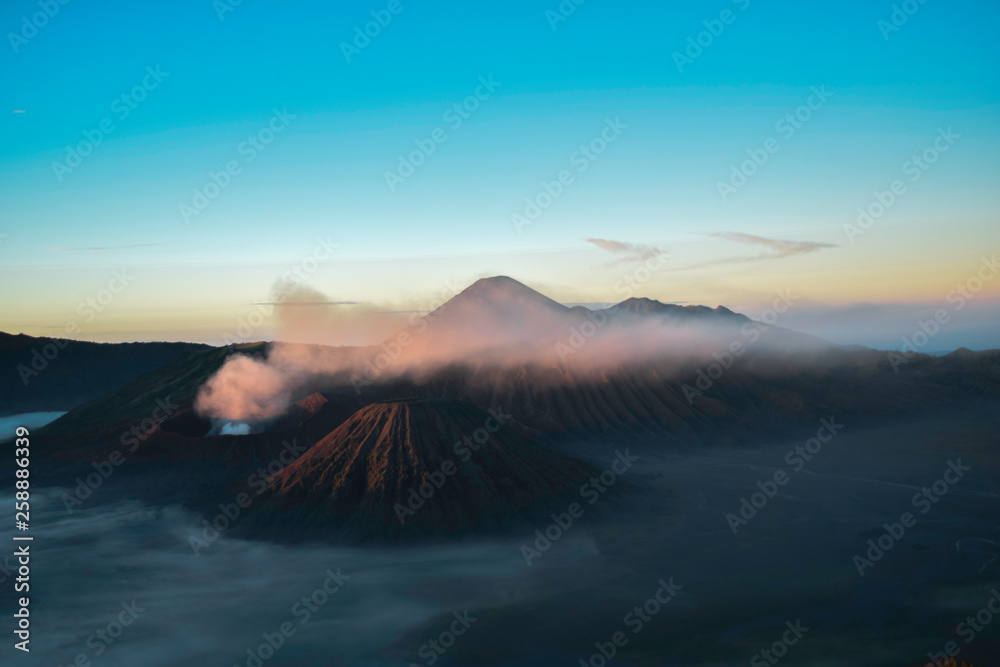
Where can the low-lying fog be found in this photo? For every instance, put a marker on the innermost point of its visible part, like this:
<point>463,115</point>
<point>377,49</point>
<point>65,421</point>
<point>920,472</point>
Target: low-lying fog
<point>791,563</point>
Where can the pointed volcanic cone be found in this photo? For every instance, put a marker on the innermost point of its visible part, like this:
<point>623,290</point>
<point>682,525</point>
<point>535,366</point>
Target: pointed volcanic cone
<point>418,468</point>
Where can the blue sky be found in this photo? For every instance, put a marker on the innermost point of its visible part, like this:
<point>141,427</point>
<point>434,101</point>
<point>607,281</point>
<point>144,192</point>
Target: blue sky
<point>323,174</point>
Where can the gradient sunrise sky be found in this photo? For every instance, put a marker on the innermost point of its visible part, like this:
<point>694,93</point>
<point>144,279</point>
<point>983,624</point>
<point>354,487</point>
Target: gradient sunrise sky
<point>210,75</point>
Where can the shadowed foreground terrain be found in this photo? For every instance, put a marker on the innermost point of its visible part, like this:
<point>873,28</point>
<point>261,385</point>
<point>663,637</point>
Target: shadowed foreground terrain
<point>792,562</point>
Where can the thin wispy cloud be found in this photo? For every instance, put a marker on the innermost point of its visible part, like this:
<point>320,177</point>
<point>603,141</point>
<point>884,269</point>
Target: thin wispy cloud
<point>628,252</point>
<point>779,248</point>
<point>102,248</point>
<point>776,249</point>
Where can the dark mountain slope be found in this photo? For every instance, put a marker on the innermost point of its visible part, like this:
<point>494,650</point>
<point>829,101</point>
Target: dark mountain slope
<point>50,374</point>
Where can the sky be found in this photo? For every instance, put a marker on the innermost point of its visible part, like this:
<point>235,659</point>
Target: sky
<point>165,166</point>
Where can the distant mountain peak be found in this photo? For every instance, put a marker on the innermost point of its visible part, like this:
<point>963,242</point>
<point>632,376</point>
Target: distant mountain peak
<point>501,297</point>
<point>497,280</point>
<point>503,288</point>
